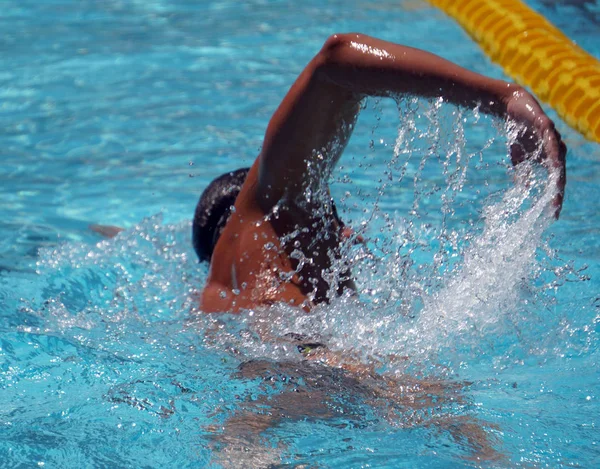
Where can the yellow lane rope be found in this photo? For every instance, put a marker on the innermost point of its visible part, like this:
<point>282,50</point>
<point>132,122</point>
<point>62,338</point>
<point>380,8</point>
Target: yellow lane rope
<point>537,54</point>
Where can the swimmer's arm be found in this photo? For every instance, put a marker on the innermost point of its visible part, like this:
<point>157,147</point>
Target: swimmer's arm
<point>376,67</point>
<point>373,67</point>
<point>108,231</point>
<point>351,66</point>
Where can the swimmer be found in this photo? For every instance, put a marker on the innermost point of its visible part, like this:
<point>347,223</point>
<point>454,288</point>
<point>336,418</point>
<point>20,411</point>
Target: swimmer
<point>283,235</point>
<point>282,240</point>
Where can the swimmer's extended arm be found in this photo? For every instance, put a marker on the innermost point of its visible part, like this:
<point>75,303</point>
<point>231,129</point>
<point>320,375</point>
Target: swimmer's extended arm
<point>108,231</point>
<point>309,130</point>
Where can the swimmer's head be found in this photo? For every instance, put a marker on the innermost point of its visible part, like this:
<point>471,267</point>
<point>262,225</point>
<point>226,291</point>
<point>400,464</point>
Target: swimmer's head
<point>213,210</point>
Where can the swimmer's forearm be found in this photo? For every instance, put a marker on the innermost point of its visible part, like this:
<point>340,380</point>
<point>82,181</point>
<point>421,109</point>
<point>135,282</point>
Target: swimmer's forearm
<point>370,66</point>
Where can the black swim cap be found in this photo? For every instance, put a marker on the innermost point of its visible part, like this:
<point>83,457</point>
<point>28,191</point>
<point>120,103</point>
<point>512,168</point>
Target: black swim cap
<point>213,210</point>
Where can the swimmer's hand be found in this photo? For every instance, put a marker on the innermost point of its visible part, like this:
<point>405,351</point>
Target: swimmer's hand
<point>537,128</point>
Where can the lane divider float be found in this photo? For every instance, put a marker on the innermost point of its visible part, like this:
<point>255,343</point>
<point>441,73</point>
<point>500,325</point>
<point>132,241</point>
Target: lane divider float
<point>536,54</point>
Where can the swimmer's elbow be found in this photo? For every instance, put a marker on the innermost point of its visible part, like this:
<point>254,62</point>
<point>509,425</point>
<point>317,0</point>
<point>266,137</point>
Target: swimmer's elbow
<point>339,40</point>
<point>345,57</point>
<point>336,46</point>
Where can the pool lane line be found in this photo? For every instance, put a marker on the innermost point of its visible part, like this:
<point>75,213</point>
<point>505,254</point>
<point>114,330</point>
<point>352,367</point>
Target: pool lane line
<point>536,54</point>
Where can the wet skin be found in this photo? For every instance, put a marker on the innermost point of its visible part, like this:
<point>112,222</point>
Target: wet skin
<point>282,239</point>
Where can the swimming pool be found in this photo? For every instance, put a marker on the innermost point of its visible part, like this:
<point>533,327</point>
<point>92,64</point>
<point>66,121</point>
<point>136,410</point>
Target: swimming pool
<point>120,112</point>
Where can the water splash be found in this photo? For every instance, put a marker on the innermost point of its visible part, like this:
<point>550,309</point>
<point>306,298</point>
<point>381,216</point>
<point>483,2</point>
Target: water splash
<point>485,288</point>
<point>146,274</point>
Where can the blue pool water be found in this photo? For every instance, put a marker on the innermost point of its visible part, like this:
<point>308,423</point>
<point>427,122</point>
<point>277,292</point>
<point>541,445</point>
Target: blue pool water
<point>485,315</point>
